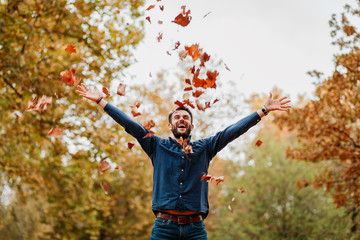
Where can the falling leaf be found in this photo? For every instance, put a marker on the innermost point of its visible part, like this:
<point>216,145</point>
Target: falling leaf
<point>134,113</point>
<point>241,190</point>
<point>121,89</point>
<point>70,49</point>
<point>130,145</point>
<point>55,132</point>
<point>180,104</point>
<point>106,92</point>
<point>211,78</point>
<point>206,14</point>
<point>117,168</point>
<point>117,11</point>
<point>258,143</point>
<point>183,54</point>
<point>210,178</point>
<point>301,183</point>
<point>183,19</point>
<point>148,18</point>
<point>194,51</point>
<point>227,68</point>
<point>168,53</point>
<point>137,105</point>
<point>150,7</point>
<point>187,149</point>
<point>159,37</point>
<point>161,7</point>
<point>197,93</point>
<point>229,207</point>
<point>177,44</point>
<point>68,75</point>
<point>204,58</point>
<point>105,187</point>
<point>187,81</point>
<point>216,100</point>
<point>103,167</point>
<point>188,89</point>
<point>189,103</point>
<point>199,105</point>
<point>160,22</point>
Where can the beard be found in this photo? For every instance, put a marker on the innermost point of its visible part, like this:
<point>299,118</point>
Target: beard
<point>178,134</point>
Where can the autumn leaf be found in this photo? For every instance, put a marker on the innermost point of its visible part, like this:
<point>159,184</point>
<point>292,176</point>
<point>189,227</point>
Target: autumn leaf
<point>188,89</point>
<point>130,145</point>
<point>199,105</point>
<point>179,104</point>
<point>105,187</point>
<point>148,18</point>
<point>121,89</point>
<point>149,135</point>
<point>183,19</point>
<point>211,78</point>
<point>204,58</point>
<point>194,51</point>
<point>210,178</point>
<point>117,168</point>
<point>159,37</point>
<point>168,53</point>
<point>177,44</point>
<point>160,22</point>
<point>150,7</point>
<point>137,105</point>
<point>187,149</point>
<point>301,183</point>
<point>70,49</point>
<point>55,132</point>
<point>103,167</point>
<point>106,92</point>
<point>216,100</point>
<point>241,190</point>
<point>197,93</point>
<point>68,75</point>
<point>183,54</point>
<point>227,68</point>
<point>135,113</point>
<point>258,143</point>
<point>206,14</point>
<point>189,103</point>
<point>161,7</point>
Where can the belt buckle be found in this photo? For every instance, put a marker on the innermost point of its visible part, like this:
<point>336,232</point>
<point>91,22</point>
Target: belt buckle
<point>182,220</point>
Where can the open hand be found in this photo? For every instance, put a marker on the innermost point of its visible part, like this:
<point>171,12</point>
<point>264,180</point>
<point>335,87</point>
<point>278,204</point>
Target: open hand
<point>94,95</point>
<point>277,104</point>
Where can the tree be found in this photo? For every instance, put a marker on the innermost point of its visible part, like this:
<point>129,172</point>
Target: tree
<point>271,206</point>
<point>327,127</point>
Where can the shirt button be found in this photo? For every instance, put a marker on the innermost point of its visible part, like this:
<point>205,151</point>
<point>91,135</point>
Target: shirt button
<point>181,183</point>
<point>182,170</point>
<point>180,196</point>
<point>182,157</point>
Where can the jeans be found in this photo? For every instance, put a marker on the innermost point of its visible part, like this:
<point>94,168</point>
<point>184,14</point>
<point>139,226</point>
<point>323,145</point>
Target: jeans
<point>168,230</point>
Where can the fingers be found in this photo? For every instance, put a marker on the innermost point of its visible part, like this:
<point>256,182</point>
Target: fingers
<point>282,98</point>
<point>282,103</point>
<point>270,95</point>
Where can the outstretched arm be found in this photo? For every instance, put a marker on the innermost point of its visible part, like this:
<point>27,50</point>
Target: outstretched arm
<point>274,105</point>
<point>94,95</point>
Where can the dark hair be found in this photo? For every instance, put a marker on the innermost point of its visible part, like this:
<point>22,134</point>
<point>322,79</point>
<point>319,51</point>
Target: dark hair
<point>181,108</point>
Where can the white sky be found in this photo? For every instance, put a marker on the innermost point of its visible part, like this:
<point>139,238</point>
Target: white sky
<point>264,43</point>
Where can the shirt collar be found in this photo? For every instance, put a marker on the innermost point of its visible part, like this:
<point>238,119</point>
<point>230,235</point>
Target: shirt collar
<point>174,140</point>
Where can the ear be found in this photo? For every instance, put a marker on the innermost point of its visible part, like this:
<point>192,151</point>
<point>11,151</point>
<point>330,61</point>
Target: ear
<point>169,126</point>
<point>192,127</point>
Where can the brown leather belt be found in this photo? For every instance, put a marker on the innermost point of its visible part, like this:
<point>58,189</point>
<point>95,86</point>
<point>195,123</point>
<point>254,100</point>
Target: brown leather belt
<point>180,219</point>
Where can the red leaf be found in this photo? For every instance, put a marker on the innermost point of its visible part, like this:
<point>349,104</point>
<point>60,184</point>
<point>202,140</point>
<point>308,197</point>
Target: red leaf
<point>258,143</point>
<point>199,105</point>
<point>130,145</point>
<point>161,7</point>
<point>183,19</point>
<point>121,89</point>
<point>70,49</point>
<point>160,36</point>
<point>168,53</point>
<point>106,92</point>
<point>188,89</point>
<point>160,22</point>
<point>103,167</point>
<point>68,75</point>
<point>177,44</point>
<point>105,187</point>
<point>189,103</point>
<point>134,113</point>
<point>187,149</point>
<point>137,105</point>
<point>197,93</point>
<point>180,104</point>
<point>216,100</point>
<point>150,7</point>
<point>241,190</point>
<point>210,178</point>
<point>211,78</point>
<point>188,81</point>
<point>55,132</point>
<point>194,51</point>
<point>204,58</point>
<point>117,168</point>
<point>148,18</point>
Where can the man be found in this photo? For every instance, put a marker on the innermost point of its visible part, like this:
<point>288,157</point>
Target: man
<point>180,198</point>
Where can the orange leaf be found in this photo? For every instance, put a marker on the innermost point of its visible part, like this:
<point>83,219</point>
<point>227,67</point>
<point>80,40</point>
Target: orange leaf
<point>149,124</point>
<point>55,132</point>
<point>204,58</point>
<point>177,44</point>
<point>160,36</point>
<point>150,7</point>
<point>148,18</point>
<point>160,22</point>
<point>70,49</point>
<point>183,54</point>
<point>121,89</point>
<point>183,19</point>
<point>68,75</point>
<point>189,103</point>
<point>106,92</point>
<point>194,51</point>
<point>134,113</point>
<point>188,89</point>
<point>103,167</point>
<point>211,78</point>
<point>197,93</point>
<point>199,105</point>
<point>180,104</point>
<point>149,135</point>
<point>117,168</point>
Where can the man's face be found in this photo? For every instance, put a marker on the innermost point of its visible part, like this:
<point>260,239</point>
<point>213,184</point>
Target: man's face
<point>181,124</point>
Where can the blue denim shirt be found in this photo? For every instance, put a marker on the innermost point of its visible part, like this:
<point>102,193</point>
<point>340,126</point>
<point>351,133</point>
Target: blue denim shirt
<point>177,181</point>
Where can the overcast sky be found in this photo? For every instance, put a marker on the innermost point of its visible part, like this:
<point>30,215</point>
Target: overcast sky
<point>264,43</point>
